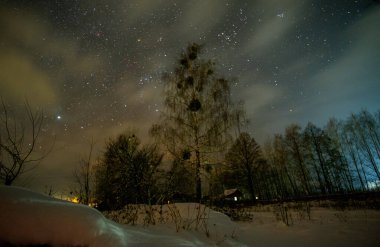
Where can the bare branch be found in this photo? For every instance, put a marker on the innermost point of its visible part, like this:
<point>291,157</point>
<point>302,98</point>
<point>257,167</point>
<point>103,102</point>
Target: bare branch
<point>16,153</point>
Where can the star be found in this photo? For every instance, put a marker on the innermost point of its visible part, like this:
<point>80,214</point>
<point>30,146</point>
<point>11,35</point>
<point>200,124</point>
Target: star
<point>103,63</point>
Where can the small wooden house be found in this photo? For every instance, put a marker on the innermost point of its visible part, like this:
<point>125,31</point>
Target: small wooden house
<point>233,195</point>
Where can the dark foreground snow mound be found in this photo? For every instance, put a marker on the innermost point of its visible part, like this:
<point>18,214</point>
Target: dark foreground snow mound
<point>27,217</point>
<point>31,219</point>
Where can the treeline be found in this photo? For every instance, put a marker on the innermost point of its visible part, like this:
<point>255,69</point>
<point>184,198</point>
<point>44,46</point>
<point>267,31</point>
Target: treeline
<point>342,157</point>
<point>203,159</point>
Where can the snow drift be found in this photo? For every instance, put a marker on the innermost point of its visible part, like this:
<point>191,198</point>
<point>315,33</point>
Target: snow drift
<point>29,218</point>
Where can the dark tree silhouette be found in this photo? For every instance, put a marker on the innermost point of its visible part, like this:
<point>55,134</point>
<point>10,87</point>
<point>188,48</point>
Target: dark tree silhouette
<point>127,173</point>
<point>244,158</point>
<point>198,114</point>
<point>293,139</point>
<point>18,143</point>
<point>84,178</point>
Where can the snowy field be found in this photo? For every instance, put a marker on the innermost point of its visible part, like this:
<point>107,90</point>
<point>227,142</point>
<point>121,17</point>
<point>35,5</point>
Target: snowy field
<point>29,218</point>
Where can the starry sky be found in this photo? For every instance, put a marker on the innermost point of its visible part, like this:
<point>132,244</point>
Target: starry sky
<point>95,66</point>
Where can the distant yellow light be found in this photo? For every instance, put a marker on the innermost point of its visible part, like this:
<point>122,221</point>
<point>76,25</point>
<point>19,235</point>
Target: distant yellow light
<point>74,200</point>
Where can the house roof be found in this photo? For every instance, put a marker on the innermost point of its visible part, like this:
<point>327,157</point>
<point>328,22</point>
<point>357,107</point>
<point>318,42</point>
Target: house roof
<point>232,193</point>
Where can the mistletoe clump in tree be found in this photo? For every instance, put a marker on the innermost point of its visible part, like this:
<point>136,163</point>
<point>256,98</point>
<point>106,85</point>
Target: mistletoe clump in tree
<point>198,114</point>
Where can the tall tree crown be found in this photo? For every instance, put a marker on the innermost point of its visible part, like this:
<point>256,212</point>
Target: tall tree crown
<point>198,115</point>
<point>198,110</point>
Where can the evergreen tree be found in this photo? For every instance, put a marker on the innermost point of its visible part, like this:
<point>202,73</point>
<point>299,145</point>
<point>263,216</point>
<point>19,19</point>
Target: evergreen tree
<point>127,173</point>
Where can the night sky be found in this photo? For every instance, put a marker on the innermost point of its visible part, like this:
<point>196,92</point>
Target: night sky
<point>95,66</point>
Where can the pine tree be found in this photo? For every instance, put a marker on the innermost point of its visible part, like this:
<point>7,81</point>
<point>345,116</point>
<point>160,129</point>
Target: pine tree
<point>127,173</point>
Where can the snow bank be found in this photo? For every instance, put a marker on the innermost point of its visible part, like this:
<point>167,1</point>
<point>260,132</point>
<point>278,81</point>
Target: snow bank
<point>179,216</point>
<point>29,218</point>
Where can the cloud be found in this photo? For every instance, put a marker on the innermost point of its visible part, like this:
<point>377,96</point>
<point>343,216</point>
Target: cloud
<point>269,33</point>
<point>259,100</point>
<point>197,19</point>
<point>353,74</point>
<point>137,10</point>
<point>20,79</point>
<point>275,21</point>
<point>258,97</point>
<point>35,61</point>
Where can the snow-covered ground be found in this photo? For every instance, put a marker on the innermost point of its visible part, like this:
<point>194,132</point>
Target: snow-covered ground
<point>27,217</point>
<point>327,227</point>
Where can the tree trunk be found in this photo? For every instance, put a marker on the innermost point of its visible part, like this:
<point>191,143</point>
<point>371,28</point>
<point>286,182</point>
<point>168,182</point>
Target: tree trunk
<point>198,182</point>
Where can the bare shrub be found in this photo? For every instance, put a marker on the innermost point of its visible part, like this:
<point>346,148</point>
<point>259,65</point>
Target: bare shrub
<point>283,214</point>
<point>303,210</point>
